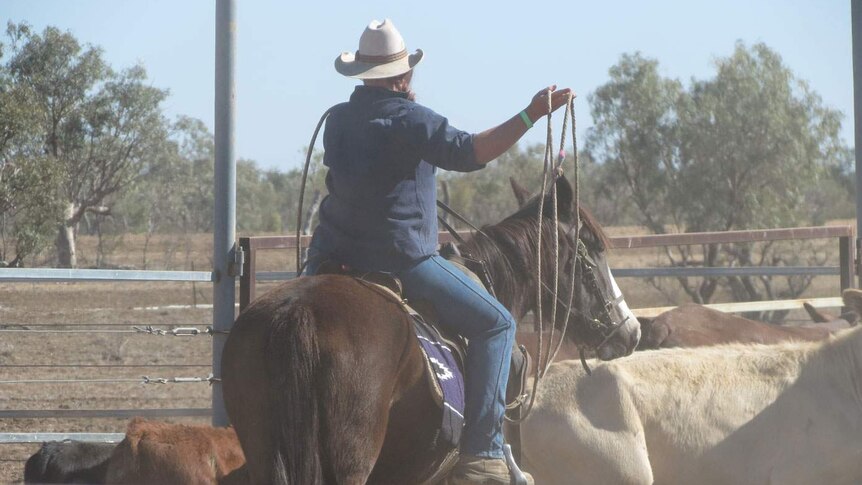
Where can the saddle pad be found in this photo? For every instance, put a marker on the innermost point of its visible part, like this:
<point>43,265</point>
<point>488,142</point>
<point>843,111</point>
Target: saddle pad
<point>447,375</point>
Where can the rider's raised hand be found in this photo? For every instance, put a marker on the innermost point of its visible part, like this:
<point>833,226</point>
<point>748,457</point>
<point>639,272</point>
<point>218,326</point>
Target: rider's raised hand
<point>539,105</point>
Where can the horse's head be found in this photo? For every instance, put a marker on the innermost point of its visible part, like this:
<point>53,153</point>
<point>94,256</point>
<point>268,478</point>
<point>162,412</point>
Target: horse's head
<point>599,315</point>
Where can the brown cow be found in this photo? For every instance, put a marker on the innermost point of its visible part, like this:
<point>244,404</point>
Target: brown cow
<point>162,453</point>
<point>692,325</point>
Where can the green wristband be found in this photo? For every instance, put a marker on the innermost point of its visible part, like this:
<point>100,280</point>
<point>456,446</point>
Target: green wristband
<point>526,119</point>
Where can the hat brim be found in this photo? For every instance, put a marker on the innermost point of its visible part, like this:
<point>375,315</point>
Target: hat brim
<point>347,65</point>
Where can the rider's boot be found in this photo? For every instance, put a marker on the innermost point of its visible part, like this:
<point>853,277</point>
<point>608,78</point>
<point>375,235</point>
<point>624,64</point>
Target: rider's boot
<point>474,470</point>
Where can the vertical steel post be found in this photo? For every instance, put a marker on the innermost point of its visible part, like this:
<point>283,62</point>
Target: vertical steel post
<point>845,258</point>
<point>856,21</point>
<point>224,222</point>
<point>247,280</point>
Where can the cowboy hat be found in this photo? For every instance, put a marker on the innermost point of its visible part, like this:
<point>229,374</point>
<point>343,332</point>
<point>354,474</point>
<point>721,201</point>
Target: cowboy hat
<point>381,54</point>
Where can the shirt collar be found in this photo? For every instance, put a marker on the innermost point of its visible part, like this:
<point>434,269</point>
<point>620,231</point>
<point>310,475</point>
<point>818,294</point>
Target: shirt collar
<point>374,93</point>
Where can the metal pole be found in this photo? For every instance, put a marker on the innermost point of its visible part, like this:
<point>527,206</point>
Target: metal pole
<point>856,20</point>
<point>224,222</point>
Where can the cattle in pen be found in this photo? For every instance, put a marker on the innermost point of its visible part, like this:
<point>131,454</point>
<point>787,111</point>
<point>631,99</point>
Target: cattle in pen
<point>161,453</point>
<point>788,413</point>
<point>68,462</point>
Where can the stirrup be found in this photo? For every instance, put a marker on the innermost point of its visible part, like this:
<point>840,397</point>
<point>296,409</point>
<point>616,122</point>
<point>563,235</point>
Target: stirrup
<point>516,476</point>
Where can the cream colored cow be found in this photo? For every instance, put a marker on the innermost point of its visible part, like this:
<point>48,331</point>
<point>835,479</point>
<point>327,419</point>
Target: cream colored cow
<point>789,413</point>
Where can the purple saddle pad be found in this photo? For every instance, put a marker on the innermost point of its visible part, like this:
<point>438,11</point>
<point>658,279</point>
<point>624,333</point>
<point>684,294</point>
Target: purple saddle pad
<point>449,378</point>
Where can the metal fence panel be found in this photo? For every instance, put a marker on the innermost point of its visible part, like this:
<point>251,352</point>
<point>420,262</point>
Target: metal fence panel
<point>50,275</point>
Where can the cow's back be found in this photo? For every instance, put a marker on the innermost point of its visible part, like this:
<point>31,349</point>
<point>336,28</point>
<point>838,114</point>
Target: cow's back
<point>68,462</point>
<point>158,453</point>
<point>693,325</point>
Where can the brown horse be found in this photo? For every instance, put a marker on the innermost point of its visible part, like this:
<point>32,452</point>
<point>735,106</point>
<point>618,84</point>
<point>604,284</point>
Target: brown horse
<point>692,325</point>
<point>325,382</point>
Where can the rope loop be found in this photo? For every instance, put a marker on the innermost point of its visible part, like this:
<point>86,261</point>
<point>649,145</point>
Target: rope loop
<point>551,171</point>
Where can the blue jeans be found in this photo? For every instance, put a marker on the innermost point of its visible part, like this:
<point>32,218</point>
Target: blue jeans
<point>466,308</point>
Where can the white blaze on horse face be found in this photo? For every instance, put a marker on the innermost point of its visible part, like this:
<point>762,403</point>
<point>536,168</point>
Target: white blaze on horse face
<point>632,325</point>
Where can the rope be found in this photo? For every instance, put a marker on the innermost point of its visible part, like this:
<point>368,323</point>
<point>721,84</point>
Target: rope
<point>576,196</point>
<point>546,162</point>
<point>323,117</point>
<point>542,365</point>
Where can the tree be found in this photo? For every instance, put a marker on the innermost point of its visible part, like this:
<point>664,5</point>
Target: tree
<point>636,138</point>
<point>484,197</point>
<point>256,199</point>
<point>29,209</point>
<point>97,125</point>
<point>737,151</point>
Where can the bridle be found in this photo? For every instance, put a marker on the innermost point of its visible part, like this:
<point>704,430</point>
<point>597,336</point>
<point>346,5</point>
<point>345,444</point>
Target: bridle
<point>579,260</point>
<point>584,264</point>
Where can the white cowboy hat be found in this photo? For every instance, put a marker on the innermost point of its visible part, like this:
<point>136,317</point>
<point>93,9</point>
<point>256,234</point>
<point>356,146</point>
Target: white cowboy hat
<point>381,54</point>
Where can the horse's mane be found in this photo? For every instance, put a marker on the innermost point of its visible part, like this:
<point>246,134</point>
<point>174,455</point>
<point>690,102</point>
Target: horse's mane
<point>529,210</point>
<point>509,247</point>
<point>592,225</point>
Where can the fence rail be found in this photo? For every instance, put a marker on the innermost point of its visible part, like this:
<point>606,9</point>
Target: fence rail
<point>846,268</point>
<point>103,413</point>
<point>27,438</point>
<point>50,275</point>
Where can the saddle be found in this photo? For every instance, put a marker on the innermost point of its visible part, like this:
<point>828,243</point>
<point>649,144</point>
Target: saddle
<point>436,342</point>
<point>421,312</point>
<point>390,286</point>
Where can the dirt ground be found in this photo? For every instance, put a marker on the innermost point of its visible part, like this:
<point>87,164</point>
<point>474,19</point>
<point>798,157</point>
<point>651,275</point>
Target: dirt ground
<point>27,352</point>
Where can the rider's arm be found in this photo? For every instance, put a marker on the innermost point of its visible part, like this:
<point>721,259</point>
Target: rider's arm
<point>492,143</point>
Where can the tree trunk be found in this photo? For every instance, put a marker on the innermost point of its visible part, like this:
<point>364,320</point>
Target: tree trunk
<point>67,255</point>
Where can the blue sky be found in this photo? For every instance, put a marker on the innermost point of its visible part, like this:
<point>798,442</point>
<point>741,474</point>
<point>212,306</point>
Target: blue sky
<point>484,60</point>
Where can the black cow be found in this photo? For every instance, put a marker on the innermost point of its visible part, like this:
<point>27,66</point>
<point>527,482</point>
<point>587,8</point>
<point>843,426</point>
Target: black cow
<point>69,462</point>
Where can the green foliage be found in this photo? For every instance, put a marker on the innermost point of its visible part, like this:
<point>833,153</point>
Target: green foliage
<point>748,148</point>
<point>29,208</point>
<point>755,138</point>
<point>753,146</point>
<point>636,138</point>
<point>834,194</point>
<point>256,199</point>
<point>486,196</point>
<point>97,126</point>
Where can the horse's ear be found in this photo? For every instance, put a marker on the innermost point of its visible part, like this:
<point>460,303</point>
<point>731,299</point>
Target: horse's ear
<point>520,192</point>
<point>565,198</point>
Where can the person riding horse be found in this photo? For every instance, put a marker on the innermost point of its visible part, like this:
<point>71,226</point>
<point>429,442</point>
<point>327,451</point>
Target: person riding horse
<point>382,150</point>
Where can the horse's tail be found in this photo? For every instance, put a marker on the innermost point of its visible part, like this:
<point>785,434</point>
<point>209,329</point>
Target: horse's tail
<point>292,353</point>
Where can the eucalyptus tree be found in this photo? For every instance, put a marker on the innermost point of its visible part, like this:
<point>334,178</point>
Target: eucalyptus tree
<point>28,207</point>
<point>97,126</point>
<point>739,150</point>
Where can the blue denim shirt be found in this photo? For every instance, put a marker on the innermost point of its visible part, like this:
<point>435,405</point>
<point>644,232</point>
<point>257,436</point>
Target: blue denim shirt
<point>382,151</point>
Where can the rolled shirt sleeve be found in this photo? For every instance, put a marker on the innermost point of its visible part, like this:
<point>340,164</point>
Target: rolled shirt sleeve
<point>440,143</point>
